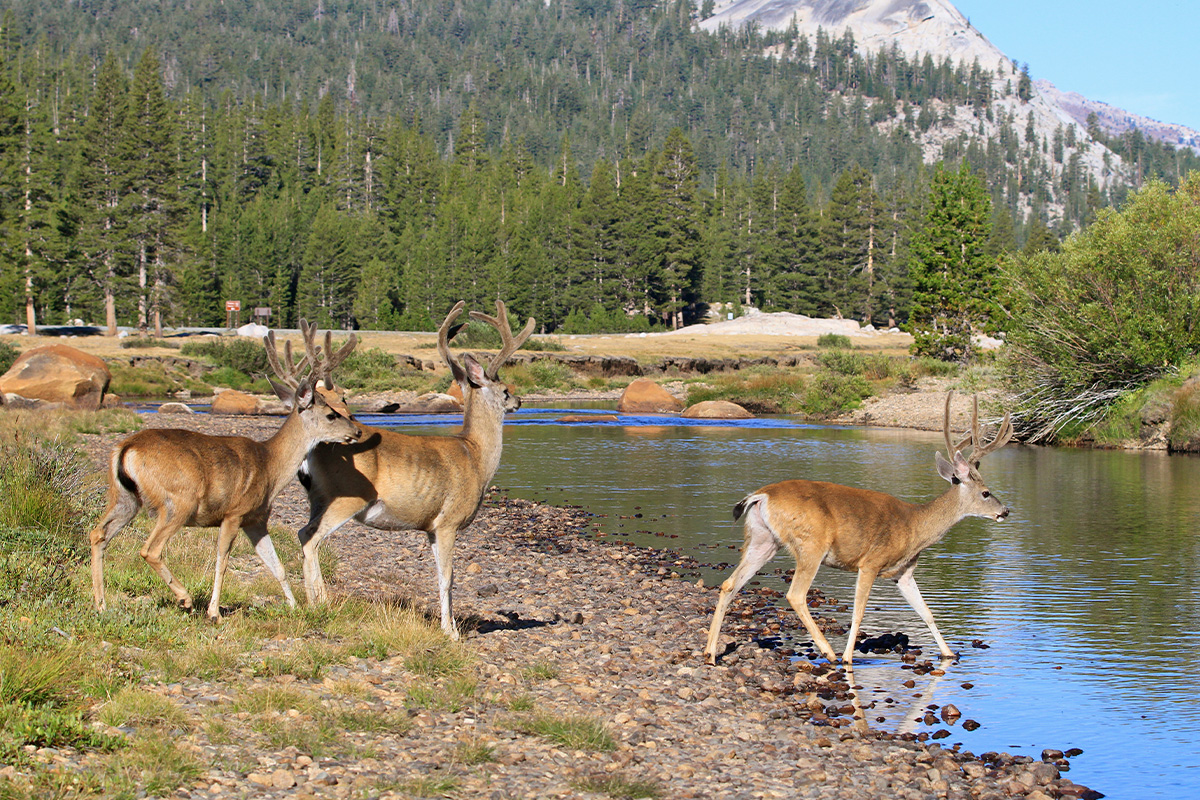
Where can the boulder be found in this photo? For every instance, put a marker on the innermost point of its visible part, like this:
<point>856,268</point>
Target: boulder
<point>231,401</point>
<point>433,403</point>
<point>252,330</point>
<point>57,373</point>
<point>175,408</point>
<point>716,409</point>
<point>647,397</point>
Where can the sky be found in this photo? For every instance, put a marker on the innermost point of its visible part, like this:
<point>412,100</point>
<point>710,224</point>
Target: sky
<point>1142,57</point>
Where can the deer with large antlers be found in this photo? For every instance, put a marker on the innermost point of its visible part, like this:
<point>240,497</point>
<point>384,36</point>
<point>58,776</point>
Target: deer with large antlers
<point>196,479</point>
<point>860,530</point>
<point>398,481</point>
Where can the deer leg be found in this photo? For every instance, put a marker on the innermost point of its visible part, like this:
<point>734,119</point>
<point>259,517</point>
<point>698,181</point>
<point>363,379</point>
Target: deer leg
<point>862,591</point>
<point>123,506</point>
<point>441,540</point>
<point>808,561</point>
<point>759,548</point>
<point>907,585</point>
<point>265,549</point>
<point>165,527</point>
<point>225,538</point>
<point>334,516</point>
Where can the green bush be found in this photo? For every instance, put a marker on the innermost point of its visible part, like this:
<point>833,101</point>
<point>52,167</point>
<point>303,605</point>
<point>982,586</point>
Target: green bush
<point>1115,308</point>
<point>834,340</point>
<point>8,355</point>
<point>369,370</point>
<point>239,353</point>
<point>148,341</point>
<point>45,493</point>
<point>831,393</point>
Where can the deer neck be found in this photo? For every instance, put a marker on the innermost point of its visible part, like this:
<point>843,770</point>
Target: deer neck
<point>285,452</point>
<point>932,520</point>
<point>483,427</point>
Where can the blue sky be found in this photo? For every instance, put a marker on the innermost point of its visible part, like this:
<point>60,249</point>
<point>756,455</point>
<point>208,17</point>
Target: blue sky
<point>1142,57</point>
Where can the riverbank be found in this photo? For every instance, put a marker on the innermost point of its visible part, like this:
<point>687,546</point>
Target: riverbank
<point>562,626</point>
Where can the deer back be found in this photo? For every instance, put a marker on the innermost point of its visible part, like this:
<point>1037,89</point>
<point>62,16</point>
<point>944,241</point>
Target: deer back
<point>846,525</point>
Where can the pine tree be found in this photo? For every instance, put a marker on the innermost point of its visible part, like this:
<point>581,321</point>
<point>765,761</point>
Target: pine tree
<point>11,199</point>
<point>953,274</point>
<point>795,283</point>
<point>101,180</point>
<point>677,230</point>
<point>152,204</point>
<point>851,251</point>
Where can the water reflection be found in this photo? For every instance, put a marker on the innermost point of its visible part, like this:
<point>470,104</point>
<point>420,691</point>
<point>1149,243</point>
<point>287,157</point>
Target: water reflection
<point>1074,618</point>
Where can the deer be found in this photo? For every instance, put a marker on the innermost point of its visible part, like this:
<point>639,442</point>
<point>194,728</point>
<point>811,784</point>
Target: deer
<point>395,481</point>
<point>852,529</point>
<point>200,480</point>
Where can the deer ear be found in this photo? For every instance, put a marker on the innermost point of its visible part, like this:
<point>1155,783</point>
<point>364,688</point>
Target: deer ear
<point>282,391</point>
<point>475,371</point>
<point>944,467</point>
<point>956,471</point>
<point>304,395</point>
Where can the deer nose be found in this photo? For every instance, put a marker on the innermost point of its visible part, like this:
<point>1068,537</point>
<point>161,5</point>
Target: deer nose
<point>1003,514</point>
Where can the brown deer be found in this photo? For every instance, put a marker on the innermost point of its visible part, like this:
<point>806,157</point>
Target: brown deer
<point>870,532</point>
<point>398,481</point>
<point>196,479</point>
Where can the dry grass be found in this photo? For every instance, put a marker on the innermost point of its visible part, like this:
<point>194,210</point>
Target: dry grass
<point>643,348</point>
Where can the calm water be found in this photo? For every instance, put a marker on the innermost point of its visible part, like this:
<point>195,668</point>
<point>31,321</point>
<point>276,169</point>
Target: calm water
<point>1087,595</point>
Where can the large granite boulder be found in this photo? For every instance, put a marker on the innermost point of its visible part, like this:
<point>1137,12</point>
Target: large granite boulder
<point>433,403</point>
<point>647,397</point>
<point>231,401</point>
<point>56,373</point>
<point>716,409</point>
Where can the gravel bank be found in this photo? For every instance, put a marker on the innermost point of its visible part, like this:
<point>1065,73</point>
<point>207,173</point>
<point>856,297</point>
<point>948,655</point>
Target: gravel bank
<point>575,626</point>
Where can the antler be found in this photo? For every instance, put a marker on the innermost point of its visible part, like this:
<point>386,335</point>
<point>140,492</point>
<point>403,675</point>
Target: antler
<point>510,342</point>
<point>290,370</point>
<point>324,362</point>
<point>979,448</point>
<point>445,333</point>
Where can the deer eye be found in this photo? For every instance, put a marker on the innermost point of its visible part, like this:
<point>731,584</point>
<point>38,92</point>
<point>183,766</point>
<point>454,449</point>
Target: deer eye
<point>987,494</point>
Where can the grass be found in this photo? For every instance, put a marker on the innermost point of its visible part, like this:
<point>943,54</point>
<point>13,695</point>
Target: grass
<point>429,786</point>
<point>24,427</point>
<point>540,671</point>
<point>69,676</point>
<point>619,787</point>
<point>136,707</point>
<point>575,731</point>
<point>1185,416</point>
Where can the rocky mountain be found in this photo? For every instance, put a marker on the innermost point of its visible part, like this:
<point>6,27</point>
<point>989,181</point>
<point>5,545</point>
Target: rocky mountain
<point>938,29</point>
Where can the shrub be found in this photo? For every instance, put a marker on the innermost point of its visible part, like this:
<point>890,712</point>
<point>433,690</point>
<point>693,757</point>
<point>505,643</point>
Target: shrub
<point>240,353</point>
<point>834,340</point>
<point>831,393</point>
<point>8,355</point>
<point>1115,308</point>
<point>758,391</point>
<point>148,341</point>
<point>1185,416</point>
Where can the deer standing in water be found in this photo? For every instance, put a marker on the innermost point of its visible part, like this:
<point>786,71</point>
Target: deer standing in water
<point>860,530</point>
<point>398,481</point>
<point>196,479</point>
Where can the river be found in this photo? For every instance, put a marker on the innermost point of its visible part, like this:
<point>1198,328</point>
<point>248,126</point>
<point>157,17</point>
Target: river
<point>1084,601</point>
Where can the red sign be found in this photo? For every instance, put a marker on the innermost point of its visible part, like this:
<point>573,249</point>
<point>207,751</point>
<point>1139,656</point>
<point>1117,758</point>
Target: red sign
<point>233,305</point>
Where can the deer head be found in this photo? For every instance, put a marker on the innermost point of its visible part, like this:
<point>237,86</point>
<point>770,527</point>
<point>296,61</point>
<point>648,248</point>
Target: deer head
<point>962,470</point>
<point>476,380</point>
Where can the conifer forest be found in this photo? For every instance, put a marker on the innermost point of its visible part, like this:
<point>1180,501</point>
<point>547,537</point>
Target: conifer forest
<point>601,165</point>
